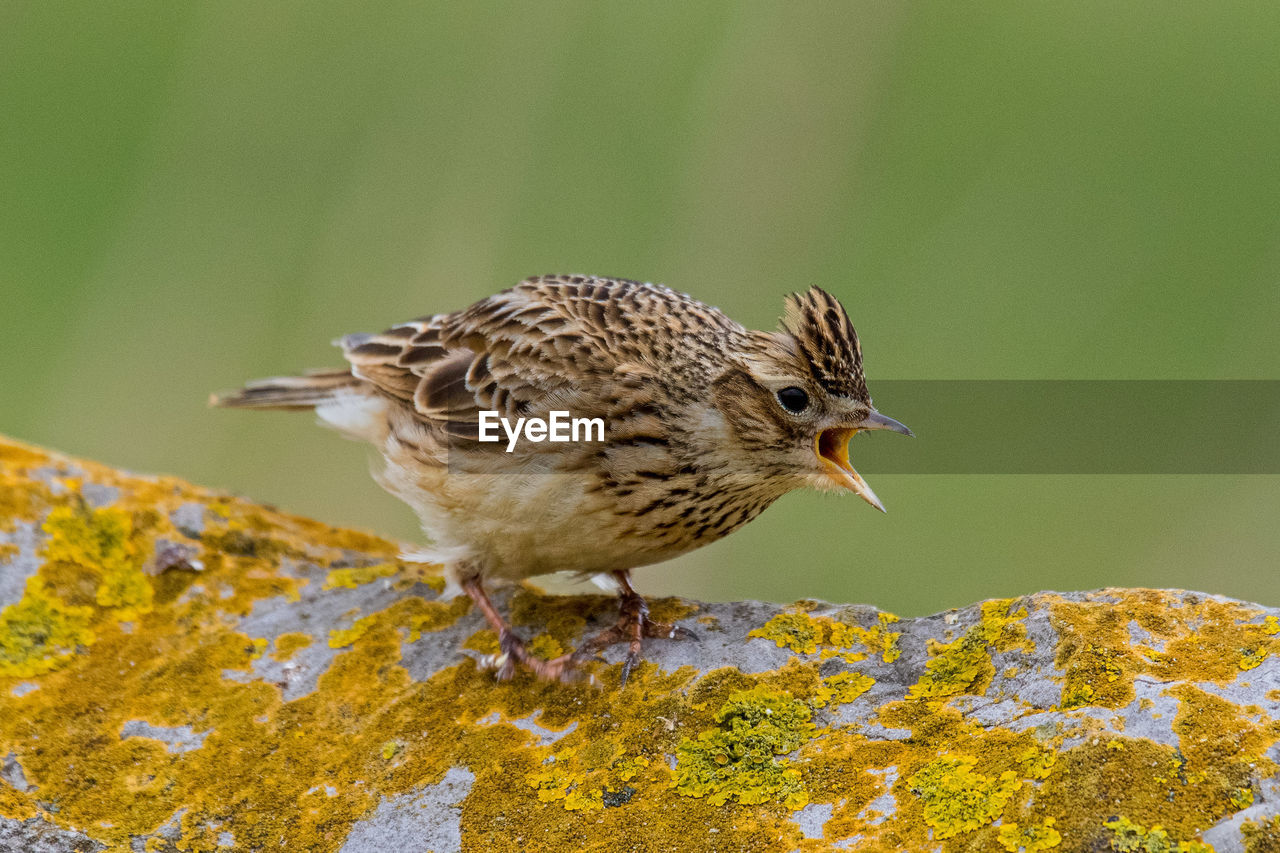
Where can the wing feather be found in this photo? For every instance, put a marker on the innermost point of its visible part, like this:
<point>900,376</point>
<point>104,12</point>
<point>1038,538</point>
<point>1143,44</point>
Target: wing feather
<point>552,342</point>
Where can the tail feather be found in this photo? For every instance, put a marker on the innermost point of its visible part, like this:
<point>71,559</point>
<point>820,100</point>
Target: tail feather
<point>289,392</point>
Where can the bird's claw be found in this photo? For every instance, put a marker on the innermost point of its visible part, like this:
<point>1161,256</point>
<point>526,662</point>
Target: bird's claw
<point>633,627</point>
<point>680,633</point>
<point>513,653</point>
<point>629,663</point>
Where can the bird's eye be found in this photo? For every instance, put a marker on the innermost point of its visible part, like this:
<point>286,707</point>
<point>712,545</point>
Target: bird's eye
<point>794,400</point>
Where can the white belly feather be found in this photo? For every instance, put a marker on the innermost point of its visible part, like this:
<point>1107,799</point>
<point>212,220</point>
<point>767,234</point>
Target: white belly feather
<point>522,519</point>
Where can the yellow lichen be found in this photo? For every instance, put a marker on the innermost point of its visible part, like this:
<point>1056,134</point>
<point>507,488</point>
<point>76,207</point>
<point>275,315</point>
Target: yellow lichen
<point>411,614</point>
<point>1220,744</point>
<point>1030,838</point>
<point>40,632</point>
<point>425,617</point>
<point>1210,641</point>
<point>1130,837</point>
<point>1252,658</point>
<point>1037,763</point>
<point>738,761</point>
<point>555,782</point>
<point>1241,798</point>
<point>805,634</point>
<point>797,631</point>
<point>93,558</point>
<point>546,647</point>
<point>878,638</point>
<point>102,542</point>
<point>289,643</point>
<point>964,665</point>
<point>627,768</point>
<point>953,668</point>
<point>956,799</point>
<point>429,574</point>
<point>1263,837</point>
<point>484,641</point>
<point>1077,695</point>
<point>350,578</point>
<point>842,687</point>
<point>1002,629</point>
<point>588,776</point>
<point>1090,678</point>
<point>561,616</point>
<point>342,637</point>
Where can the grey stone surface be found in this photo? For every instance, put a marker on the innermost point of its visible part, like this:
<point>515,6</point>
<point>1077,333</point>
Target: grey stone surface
<point>177,739</point>
<point>426,819</point>
<point>189,519</point>
<point>169,831</point>
<point>1025,694</point>
<point>11,773</point>
<point>16,568</point>
<point>37,836</point>
<point>98,495</point>
<point>544,736</point>
<point>1225,836</point>
<point>319,611</point>
<point>811,818</point>
<point>174,555</point>
<point>52,475</point>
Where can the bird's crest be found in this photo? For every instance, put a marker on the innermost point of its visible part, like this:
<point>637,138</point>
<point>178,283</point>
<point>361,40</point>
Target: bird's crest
<point>827,341</point>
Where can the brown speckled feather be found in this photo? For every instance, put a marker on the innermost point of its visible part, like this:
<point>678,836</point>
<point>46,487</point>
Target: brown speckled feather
<point>826,338</point>
<point>543,345</point>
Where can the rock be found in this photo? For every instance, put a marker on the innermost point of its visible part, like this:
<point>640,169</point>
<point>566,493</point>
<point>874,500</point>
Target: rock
<point>288,685</point>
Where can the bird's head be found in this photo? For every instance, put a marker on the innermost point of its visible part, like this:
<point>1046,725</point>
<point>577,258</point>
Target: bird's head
<point>794,398</point>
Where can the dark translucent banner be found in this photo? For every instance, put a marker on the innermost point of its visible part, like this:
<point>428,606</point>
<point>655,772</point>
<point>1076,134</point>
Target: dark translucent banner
<point>1075,427</point>
<point>1012,427</point>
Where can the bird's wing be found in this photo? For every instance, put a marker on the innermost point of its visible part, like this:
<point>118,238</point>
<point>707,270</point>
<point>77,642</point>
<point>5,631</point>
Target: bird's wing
<point>578,343</point>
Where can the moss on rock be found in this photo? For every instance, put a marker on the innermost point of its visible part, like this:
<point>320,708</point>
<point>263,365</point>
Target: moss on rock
<point>285,680</point>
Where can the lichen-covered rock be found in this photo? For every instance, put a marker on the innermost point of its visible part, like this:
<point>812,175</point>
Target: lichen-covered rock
<point>182,670</point>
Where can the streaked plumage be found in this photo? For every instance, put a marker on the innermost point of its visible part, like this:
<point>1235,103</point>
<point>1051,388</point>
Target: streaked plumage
<point>697,442</point>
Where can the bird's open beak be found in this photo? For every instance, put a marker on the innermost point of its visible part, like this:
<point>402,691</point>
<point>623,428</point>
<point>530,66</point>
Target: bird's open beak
<point>832,448</point>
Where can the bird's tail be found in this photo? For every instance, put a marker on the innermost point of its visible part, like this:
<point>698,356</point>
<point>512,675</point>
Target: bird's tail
<point>289,392</point>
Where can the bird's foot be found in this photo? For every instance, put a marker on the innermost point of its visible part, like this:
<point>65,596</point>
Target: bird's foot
<point>632,627</point>
<point>514,653</point>
<point>512,650</point>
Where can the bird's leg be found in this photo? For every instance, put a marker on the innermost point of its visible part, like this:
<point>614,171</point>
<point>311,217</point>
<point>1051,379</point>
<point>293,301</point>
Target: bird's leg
<point>632,627</point>
<point>512,649</point>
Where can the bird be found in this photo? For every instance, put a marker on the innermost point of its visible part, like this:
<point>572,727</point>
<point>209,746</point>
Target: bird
<point>705,424</point>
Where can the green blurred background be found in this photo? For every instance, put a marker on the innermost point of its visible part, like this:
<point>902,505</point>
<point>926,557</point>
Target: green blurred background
<point>195,194</point>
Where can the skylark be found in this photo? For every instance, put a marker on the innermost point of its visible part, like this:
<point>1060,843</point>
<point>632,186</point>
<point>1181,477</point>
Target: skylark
<point>706,424</point>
